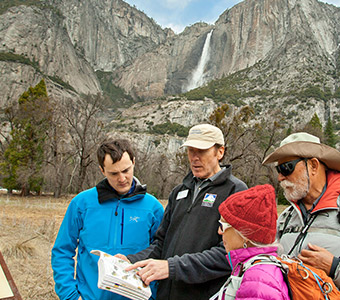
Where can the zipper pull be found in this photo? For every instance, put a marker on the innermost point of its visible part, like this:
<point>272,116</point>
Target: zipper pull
<point>116,212</point>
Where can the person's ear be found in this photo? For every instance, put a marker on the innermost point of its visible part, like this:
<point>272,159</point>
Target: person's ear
<point>314,164</point>
<point>220,152</point>
<point>102,170</point>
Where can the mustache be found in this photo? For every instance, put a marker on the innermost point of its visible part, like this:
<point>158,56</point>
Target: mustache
<point>286,184</point>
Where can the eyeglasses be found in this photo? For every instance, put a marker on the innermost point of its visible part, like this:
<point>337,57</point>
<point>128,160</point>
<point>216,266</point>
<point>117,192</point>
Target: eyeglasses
<point>288,167</point>
<point>224,226</point>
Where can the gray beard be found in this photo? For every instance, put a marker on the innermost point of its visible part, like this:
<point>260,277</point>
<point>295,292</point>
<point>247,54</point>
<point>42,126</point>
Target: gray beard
<point>295,191</point>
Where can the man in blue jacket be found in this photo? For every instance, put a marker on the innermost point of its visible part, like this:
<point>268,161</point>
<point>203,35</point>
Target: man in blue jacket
<point>116,216</point>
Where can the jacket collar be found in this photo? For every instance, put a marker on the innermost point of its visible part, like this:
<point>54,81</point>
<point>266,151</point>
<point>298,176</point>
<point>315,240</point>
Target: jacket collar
<point>330,196</point>
<point>240,256</point>
<point>189,180</point>
<point>107,192</point>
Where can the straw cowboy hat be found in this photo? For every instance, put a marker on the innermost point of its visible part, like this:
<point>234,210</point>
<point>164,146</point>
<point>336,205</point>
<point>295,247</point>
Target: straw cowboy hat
<point>305,145</point>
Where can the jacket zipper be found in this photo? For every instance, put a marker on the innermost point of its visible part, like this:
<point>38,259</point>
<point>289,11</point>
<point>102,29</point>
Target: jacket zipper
<point>121,224</point>
<point>116,212</point>
<point>122,228</point>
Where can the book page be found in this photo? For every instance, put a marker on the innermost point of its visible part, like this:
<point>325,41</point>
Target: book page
<point>5,289</point>
<point>113,277</point>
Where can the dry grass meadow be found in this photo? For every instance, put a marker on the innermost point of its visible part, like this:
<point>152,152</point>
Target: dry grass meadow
<point>28,227</point>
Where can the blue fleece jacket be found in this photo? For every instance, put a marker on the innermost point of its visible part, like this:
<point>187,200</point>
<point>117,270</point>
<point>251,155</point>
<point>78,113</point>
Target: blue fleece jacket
<point>100,219</point>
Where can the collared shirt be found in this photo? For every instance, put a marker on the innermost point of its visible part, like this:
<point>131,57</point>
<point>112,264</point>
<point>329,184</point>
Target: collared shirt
<point>201,183</point>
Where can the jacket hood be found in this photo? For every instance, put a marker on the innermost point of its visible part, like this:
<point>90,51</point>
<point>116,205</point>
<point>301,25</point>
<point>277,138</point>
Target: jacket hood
<point>107,192</point>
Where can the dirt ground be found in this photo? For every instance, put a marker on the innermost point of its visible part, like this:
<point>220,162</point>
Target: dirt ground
<point>28,227</point>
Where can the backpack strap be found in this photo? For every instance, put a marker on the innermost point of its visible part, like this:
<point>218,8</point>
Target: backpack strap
<point>233,283</point>
<point>283,225</point>
<point>303,232</point>
<point>266,259</point>
<point>329,231</point>
<point>263,259</point>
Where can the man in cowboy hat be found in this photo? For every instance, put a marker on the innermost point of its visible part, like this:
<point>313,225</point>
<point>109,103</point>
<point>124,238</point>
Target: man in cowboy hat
<point>308,172</point>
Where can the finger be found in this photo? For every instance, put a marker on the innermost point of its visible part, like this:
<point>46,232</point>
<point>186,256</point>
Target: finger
<point>149,279</point>
<point>139,264</point>
<point>147,269</point>
<point>146,276</point>
<point>123,257</point>
<point>314,247</point>
<point>305,253</point>
<point>304,259</point>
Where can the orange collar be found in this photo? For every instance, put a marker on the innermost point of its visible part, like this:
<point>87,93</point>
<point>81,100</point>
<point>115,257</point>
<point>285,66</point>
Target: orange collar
<point>329,198</point>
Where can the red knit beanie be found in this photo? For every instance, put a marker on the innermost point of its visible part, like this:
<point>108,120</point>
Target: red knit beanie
<point>252,212</point>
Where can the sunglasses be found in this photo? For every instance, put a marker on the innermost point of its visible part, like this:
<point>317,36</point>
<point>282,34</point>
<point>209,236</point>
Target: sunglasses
<point>224,226</point>
<point>288,167</point>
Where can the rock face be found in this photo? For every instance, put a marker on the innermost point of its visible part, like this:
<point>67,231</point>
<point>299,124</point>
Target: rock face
<point>68,41</point>
<point>109,33</point>
<point>295,34</point>
<point>282,45</point>
<point>39,36</point>
<point>139,118</point>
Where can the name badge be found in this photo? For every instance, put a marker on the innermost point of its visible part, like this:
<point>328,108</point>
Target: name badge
<point>182,194</point>
<point>209,200</point>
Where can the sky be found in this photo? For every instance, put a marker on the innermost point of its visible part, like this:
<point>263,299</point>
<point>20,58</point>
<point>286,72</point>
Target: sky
<point>177,14</point>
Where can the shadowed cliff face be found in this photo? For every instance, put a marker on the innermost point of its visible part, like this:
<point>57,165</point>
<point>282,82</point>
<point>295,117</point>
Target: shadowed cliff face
<point>67,41</point>
<point>39,37</point>
<point>110,33</point>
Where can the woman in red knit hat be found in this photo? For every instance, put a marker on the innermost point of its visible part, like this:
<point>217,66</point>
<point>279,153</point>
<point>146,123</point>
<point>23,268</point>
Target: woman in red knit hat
<point>248,228</point>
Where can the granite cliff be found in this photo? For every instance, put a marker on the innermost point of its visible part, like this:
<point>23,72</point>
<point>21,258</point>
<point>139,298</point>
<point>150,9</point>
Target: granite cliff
<point>276,48</point>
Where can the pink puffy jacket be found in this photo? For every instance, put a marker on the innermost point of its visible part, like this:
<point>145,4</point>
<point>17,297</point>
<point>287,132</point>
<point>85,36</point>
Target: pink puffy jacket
<point>260,282</point>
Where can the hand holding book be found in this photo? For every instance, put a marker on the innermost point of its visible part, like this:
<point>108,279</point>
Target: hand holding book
<point>113,276</point>
<point>151,269</point>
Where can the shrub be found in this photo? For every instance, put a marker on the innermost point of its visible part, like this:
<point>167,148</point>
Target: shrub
<point>170,128</point>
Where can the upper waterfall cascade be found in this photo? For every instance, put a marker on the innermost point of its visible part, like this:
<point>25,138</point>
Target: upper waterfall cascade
<point>197,77</point>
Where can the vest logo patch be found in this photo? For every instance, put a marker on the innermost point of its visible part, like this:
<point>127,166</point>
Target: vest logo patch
<point>209,200</point>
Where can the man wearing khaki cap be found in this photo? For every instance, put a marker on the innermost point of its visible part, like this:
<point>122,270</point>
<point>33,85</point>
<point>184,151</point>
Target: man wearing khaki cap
<point>188,256</point>
<point>308,172</point>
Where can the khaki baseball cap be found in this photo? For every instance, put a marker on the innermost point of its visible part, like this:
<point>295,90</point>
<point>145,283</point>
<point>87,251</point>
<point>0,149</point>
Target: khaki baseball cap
<point>204,136</point>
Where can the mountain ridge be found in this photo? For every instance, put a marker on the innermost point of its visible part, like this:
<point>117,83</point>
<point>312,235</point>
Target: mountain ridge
<point>283,47</point>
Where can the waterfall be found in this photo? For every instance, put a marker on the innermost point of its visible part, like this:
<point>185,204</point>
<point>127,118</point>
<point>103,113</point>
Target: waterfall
<point>197,78</point>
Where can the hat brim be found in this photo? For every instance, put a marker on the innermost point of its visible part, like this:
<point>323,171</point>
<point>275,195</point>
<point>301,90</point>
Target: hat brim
<point>203,145</point>
<point>326,154</point>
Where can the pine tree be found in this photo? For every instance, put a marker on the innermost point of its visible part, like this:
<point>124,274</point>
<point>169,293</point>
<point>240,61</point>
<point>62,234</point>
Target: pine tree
<point>25,153</point>
<point>330,137</point>
<point>315,122</point>
<point>314,127</point>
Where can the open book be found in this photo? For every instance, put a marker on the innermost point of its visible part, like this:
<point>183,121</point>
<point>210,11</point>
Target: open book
<point>113,277</point>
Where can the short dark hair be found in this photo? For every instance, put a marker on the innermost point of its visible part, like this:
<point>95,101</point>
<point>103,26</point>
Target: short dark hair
<point>115,148</point>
